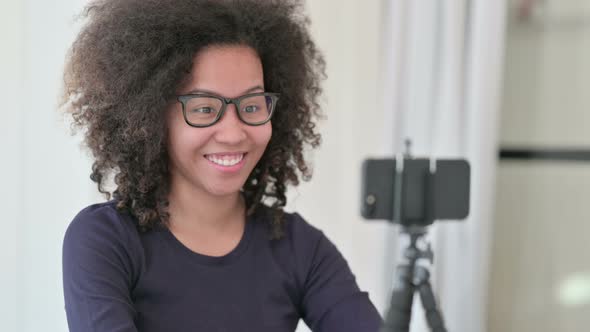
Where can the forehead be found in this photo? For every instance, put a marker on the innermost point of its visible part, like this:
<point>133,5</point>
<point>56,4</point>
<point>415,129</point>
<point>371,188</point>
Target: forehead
<point>226,70</point>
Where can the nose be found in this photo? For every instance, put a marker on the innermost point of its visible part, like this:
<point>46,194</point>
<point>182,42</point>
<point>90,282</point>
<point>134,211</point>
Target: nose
<point>230,130</point>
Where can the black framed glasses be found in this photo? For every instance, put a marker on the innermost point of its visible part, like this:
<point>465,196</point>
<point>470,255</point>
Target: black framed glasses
<point>204,110</point>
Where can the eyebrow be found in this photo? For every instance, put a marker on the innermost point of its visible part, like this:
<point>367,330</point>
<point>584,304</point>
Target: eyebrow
<point>197,91</point>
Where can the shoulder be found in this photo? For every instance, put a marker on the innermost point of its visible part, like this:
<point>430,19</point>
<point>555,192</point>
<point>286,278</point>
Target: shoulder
<point>101,241</point>
<point>298,235</point>
<point>298,228</point>
<point>302,246</point>
<point>310,244</point>
<point>100,223</point>
<point>101,263</point>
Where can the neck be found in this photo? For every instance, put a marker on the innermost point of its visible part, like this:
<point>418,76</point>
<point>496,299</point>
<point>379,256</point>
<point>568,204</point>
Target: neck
<point>192,210</point>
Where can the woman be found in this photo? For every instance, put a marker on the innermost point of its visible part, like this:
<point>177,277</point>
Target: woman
<point>197,114</point>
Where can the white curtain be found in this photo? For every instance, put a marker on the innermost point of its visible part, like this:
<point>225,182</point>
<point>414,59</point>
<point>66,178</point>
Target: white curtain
<point>444,65</point>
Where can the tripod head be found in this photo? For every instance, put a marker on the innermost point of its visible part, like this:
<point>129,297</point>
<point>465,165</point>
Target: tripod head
<point>413,252</point>
<point>411,278</point>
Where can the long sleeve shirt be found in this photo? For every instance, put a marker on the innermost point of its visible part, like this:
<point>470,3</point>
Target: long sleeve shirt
<point>118,279</point>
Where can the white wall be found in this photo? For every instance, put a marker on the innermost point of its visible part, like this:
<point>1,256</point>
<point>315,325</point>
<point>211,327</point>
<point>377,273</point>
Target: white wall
<point>11,193</point>
<point>540,278</point>
<point>547,74</point>
<point>45,174</point>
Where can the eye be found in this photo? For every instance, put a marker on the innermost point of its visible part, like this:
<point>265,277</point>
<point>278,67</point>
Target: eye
<point>251,109</point>
<point>203,110</point>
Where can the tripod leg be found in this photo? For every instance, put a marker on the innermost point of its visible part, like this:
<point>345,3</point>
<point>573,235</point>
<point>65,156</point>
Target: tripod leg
<point>400,308</point>
<point>433,316</point>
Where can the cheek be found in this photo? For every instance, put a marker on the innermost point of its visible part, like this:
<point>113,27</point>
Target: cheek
<point>183,140</point>
<point>186,143</point>
<point>264,134</point>
<point>175,138</point>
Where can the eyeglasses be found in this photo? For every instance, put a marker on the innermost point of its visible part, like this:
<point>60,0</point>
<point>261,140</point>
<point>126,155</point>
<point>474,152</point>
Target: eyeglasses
<point>204,110</point>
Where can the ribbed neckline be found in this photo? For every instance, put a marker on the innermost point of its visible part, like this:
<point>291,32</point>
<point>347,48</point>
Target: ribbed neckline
<point>213,260</point>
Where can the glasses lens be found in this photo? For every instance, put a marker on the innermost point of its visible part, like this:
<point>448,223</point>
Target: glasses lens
<point>256,109</point>
<point>202,110</point>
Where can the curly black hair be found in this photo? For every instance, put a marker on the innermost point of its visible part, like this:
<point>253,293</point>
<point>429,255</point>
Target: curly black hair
<point>127,63</point>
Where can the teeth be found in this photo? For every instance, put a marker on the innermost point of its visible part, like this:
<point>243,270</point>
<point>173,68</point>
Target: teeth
<point>226,160</point>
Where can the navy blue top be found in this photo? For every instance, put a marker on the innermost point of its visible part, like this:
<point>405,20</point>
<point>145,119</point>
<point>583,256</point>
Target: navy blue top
<point>118,279</point>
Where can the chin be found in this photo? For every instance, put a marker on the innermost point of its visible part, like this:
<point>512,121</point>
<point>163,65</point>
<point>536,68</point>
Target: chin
<point>224,191</point>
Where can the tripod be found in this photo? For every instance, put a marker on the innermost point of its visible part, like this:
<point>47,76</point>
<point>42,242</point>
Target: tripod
<point>411,277</point>
<point>422,190</point>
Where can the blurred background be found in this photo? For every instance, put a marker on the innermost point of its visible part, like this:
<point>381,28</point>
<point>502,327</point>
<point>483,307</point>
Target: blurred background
<point>501,83</point>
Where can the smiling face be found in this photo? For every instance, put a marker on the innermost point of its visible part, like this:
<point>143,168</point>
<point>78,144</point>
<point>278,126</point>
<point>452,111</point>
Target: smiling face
<point>217,160</point>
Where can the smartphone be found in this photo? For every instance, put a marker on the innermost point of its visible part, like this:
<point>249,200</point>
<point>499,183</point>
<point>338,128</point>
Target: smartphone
<point>413,194</point>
